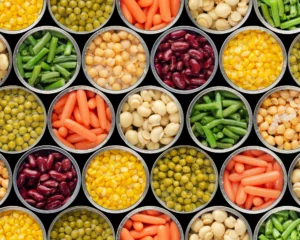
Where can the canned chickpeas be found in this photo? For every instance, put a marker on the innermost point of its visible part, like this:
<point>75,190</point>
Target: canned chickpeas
<point>5,179</point>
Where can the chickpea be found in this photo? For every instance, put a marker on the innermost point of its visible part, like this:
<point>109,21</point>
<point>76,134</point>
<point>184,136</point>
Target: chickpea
<point>284,94</point>
<point>281,101</point>
<point>281,129</point>
<point>271,140</point>
<point>106,36</point>
<point>93,72</point>
<point>281,109</point>
<point>115,38</point>
<point>264,134</point>
<point>263,112</point>
<point>264,126</point>
<point>272,110</point>
<point>287,146</point>
<point>101,82</point>
<point>89,60</point>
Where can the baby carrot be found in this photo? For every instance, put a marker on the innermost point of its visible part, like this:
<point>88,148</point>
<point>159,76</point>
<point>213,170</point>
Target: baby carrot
<point>152,11</point>
<point>139,25</point>
<point>269,169</point>
<point>167,225</point>
<point>79,129</point>
<point>57,124</point>
<point>77,115</point>
<point>108,126</point>
<point>69,107</point>
<point>157,19</point>
<point>174,231</point>
<point>53,117</point>
<point>159,26</point>
<point>165,10</point>
<point>257,153</point>
<point>153,213</point>
<point>230,165</point>
<point>125,235</point>
<point>83,107</point>
<point>278,184</point>
<point>126,12</point>
<point>90,94</point>
<point>266,157</point>
<point>266,204</point>
<point>249,201</point>
<point>88,144</point>
<point>138,226</point>
<point>61,102</point>
<point>128,224</point>
<point>62,140</point>
<point>260,179</point>
<point>235,187</point>
<point>74,138</point>
<point>241,196</point>
<point>175,5</point>
<point>162,233</point>
<point>101,111</point>
<point>63,131</point>
<point>92,103</point>
<point>239,167</point>
<point>145,3</point>
<point>228,186</point>
<point>165,217</point>
<point>247,167</point>
<point>147,219</point>
<point>147,238</point>
<point>262,192</point>
<point>59,110</point>
<point>250,160</point>
<point>247,153</point>
<point>94,120</point>
<point>147,231</point>
<point>258,201</point>
<point>155,237</point>
<point>145,10</point>
<point>135,10</point>
<point>236,177</point>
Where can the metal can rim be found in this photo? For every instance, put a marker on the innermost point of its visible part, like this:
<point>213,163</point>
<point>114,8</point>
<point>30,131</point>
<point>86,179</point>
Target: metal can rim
<point>10,59</point>
<point>296,39</point>
<point>10,179</point>
<point>290,184</point>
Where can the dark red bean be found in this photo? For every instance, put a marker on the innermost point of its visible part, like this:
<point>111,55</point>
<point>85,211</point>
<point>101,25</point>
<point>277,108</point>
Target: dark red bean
<point>27,165</point>
<point>208,48</point>
<point>160,55</point>
<point>58,167</point>
<point>30,201</point>
<point>23,192</point>
<point>186,78</point>
<point>164,46</point>
<point>201,39</point>
<point>190,87</point>
<point>51,184</point>
<point>196,54</point>
<point>21,168</point>
<point>64,189</point>
<point>53,205</point>
<point>173,64</point>
<point>32,161</point>
<point>41,164</point>
<point>35,195</point>
<point>74,173</point>
<point>169,83</point>
<point>177,34</point>
<point>66,164</point>
<point>179,66</point>
<point>208,63</point>
<point>179,46</point>
<point>32,182</point>
<point>75,180</point>
<point>57,176</point>
<point>21,180</point>
<point>167,55</point>
<point>69,175</point>
<point>191,39</point>
<point>186,58</point>
<point>44,177</point>
<point>178,80</point>
<point>168,76</point>
<point>190,74</point>
<point>57,155</point>
<point>195,66</point>
<point>44,190</point>
<point>40,205</point>
<point>50,162</point>
<point>158,69</point>
<point>55,198</point>
<point>165,69</point>
<point>197,81</point>
<point>71,186</point>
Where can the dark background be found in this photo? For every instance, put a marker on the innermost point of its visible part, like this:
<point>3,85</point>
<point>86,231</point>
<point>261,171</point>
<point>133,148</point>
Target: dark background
<point>184,139</point>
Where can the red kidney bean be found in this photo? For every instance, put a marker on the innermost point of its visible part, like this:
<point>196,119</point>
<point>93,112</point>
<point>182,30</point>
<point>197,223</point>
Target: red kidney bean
<point>50,162</point>
<point>195,66</point>
<point>196,54</point>
<point>23,192</point>
<point>192,87</point>
<point>160,56</point>
<point>31,173</point>
<point>75,180</point>
<point>64,189</point>
<point>27,165</point>
<point>201,39</point>
<point>179,46</point>
<point>44,190</point>
<point>21,180</point>
<point>73,170</point>
<point>57,176</point>
<point>41,164</point>
<point>69,175</point>
<point>191,39</point>
<point>71,186</point>
<point>31,182</point>
<point>173,64</point>
<point>186,78</point>
<point>32,161</point>
<point>21,168</point>
<point>177,34</point>
<point>197,81</point>
<point>164,46</point>
<point>35,195</point>
<point>55,198</point>
<point>57,155</point>
<point>190,74</point>
<point>66,164</point>
<point>158,69</point>
<point>167,55</point>
<point>168,76</point>
<point>53,205</point>
<point>51,183</point>
<point>30,201</point>
<point>207,63</point>
<point>178,80</point>
<point>66,200</point>
<point>179,66</point>
<point>165,69</point>
<point>186,58</point>
<point>40,205</point>
<point>44,177</point>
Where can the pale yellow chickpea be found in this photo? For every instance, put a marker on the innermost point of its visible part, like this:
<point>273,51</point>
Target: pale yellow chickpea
<point>103,73</point>
<point>116,87</point>
<point>287,146</point>
<point>274,101</point>
<point>289,133</point>
<point>264,134</point>
<point>103,46</point>
<point>141,48</point>
<point>295,136</point>
<point>103,61</point>
<point>266,103</point>
<point>295,144</point>
<point>141,57</point>
<point>281,109</point>
<point>89,60</point>
<point>98,40</point>
<point>109,53</point>
<point>125,44</point>
<point>293,93</point>
<point>131,68</point>
<point>134,81</point>
<point>271,140</point>
<point>123,34</point>
<point>278,140</point>
<point>281,129</point>
<point>130,37</point>
<point>119,60</point>
<point>115,38</point>
<point>139,72</point>
<point>275,95</point>
<point>92,72</point>
<point>125,56</point>
<point>111,80</point>
<point>97,60</point>
<point>294,121</point>
<point>110,62</point>
<point>92,46</point>
<point>287,124</point>
<point>263,112</point>
<point>281,101</point>
<point>272,130</point>
<point>110,45</point>
<point>102,82</point>
<point>127,78</point>
<point>99,52</point>
<point>269,119</point>
<point>133,49</point>
<point>117,47</point>
<point>272,110</point>
<point>2,192</point>
<point>106,36</point>
<point>297,100</point>
<point>124,86</point>
<point>5,183</point>
<point>297,127</point>
<point>290,110</point>
<point>117,70</point>
<point>264,126</point>
<point>259,118</point>
<point>284,94</point>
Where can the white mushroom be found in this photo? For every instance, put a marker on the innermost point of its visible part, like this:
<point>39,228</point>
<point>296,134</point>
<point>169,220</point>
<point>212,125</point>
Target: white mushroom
<point>245,237</point>
<point>231,22</point>
<point>209,7</point>
<point>154,119</point>
<point>125,107</point>
<point>3,73</point>
<point>219,215</point>
<point>137,120</point>
<point>175,118</point>
<point>144,111</point>
<point>222,24</point>
<point>218,229</point>
<point>193,4</point>
<point>242,10</point>
<point>203,231</point>
<point>159,107</point>
<point>172,107</point>
<point>172,129</point>
<point>132,137</point>
<point>156,134</point>
<point>204,20</point>
<point>152,146</point>
<point>135,101</point>
<point>197,224</point>
<point>223,10</point>
<point>232,2</point>
<point>165,98</point>
<point>194,13</point>
<point>240,227</point>
<point>126,119</point>
<point>230,221</point>
<point>230,235</point>
<point>235,16</point>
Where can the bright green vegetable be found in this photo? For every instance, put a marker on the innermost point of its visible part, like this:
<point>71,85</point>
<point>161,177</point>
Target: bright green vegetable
<point>19,65</point>
<point>42,43</point>
<point>275,12</point>
<point>58,84</point>
<point>210,137</point>
<point>52,49</point>
<point>68,49</point>
<point>35,74</point>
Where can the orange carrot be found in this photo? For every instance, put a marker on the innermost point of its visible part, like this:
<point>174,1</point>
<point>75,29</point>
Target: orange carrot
<point>69,107</point>
<point>247,153</point>
<point>92,103</point>
<point>153,213</point>
<point>77,115</point>
<point>168,230</point>
<point>227,186</point>
<point>241,196</point>
<point>79,129</point>
<point>147,231</point>
<point>101,111</point>
<point>59,110</point>
<point>257,153</point>
<point>108,126</point>
<point>279,183</point>
<point>165,10</point>
<point>128,224</point>
<point>162,233</point>
<point>63,132</point>
<point>83,107</point>
<point>157,19</point>
<point>269,169</point>
<point>266,157</point>
<point>126,12</point>
<point>139,25</point>
<point>62,140</point>
<point>230,165</point>
<point>159,26</point>
<point>146,10</point>
<point>74,138</point>
<point>88,144</point>
<point>152,11</point>
<point>94,120</point>
<point>262,192</point>
<point>57,124</point>
<point>174,231</point>
<point>258,201</point>
<point>145,3</point>
<point>266,204</point>
<point>59,116</point>
<point>250,160</point>
<point>147,238</point>
<point>249,201</point>
<point>138,226</point>
<point>236,177</point>
<point>147,219</point>
<point>125,235</point>
<point>90,94</point>
<point>155,237</point>
<point>175,5</point>
<point>165,217</point>
<point>261,179</point>
<point>136,11</point>
<point>54,117</point>
<point>247,167</point>
<point>235,187</point>
<point>61,102</point>
<point>239,167</point>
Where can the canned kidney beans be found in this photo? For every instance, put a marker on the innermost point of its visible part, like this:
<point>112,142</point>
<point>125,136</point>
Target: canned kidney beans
<point>184,60</point>
<point>46,179</point>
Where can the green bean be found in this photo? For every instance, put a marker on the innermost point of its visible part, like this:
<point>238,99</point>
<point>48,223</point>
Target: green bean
<point>219,112</point>
<point>41,44</point>
<point>49,75</point>
<point>215,130</point>
<point>286,224</point>
<point>60,49</point>
<point>206,106</point>
<point>227,103</point>
<point>32,40</point>
<point>31,52</point>
<point>64,72</point>
<point>277,224</point>
<point>230,134</point>
<point>269,227</point>
<point>227,140</point>
<point>210,137</point>
<point>229,95</point>
<point>51,80</point>
<point>38,57</point>
<point>35,73</point>
<point>294,235</point>
<point>58,35</point>
<point>207,119</point>
<point>45,66</point>
<point>220,135</point>
<point>19,65</point>
<point>52,49</point>
<point>230,110</point>
<point>26,58</point>
<point>68,64</point>
<point>207,99</point>
<point>24,52</point>
<point>55,85</point>
<point>224,145</point>
<point>237,130</point>
<point>290,228</point>
<point>235,116</point>
<point>280,219</point>
<point>68,49</point>
<point>199,128</point>
<point>28,75</point>
<point>22,47</point>
<point>214,123</point>
<point>293,215</point>
<point>204,143</point>
<point>263,237</point>
<point>275,233</point>
<point>62,59</point>
<point>37,35</point>
<point>234,123</point>
<point>261,229</point>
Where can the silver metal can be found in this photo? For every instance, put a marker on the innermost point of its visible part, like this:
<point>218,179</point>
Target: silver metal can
<point>10,59</point>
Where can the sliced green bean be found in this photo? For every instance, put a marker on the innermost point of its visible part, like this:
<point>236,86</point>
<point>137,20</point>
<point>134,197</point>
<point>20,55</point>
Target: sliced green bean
<point>49,75</point>
<point>224,145</point>
<point>219,112</point>
<point>64,72</point>
<point>32,41</point>
<point>38,57</point>
<point>42,43</point>
<point>61,59</point>
<point>52,49</point>
<point>230,110</point>
<point>35,74</point>
<point>55,85</point>
<point>230,134</point>
<point>45,66</point>
<point>237,130</point>
<point>227,103</point>
<point>227,140</point>
<point>19,65</point>
<point>68,65</point>
<point>68,49</point>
